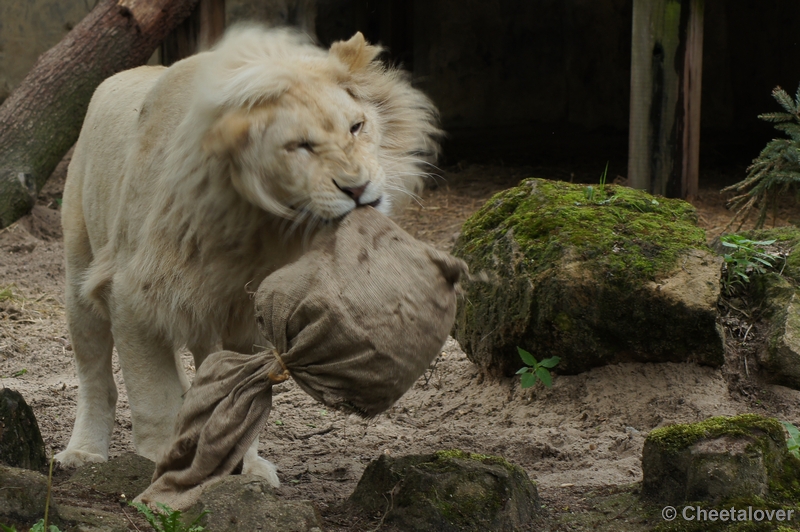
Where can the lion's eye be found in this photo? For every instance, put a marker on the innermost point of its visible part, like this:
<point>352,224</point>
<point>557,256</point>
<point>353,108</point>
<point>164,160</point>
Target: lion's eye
<point>305,145</point>
<point>355,129</point>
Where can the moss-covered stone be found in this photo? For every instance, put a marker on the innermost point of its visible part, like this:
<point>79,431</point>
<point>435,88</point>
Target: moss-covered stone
<point>719,461</point>
<point>621,276</point>
<point>447,491</point>
<point>777,296</point>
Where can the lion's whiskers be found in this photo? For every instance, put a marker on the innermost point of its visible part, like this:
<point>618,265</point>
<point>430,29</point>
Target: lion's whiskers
<point>310,229</point>
<point>302,214</point>
<point>416,197</point>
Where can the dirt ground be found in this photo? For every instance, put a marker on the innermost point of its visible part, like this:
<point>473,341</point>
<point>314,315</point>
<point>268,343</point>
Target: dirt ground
<point>584,433</point>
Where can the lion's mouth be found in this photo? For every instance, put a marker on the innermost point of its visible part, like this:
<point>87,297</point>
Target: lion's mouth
<point>305,213</point>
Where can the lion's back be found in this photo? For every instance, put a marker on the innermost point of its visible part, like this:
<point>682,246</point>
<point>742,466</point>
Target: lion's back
<point>109,131</point>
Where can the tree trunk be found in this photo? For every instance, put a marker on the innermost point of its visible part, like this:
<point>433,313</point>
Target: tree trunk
<point>42,118</point>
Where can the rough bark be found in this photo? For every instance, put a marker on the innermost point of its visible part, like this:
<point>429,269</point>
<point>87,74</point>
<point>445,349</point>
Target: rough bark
<point>42,118</point>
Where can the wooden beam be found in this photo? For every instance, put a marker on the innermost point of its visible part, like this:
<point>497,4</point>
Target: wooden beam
<point>197,33</point>
<point>666,76</point>
<point>692,85</point>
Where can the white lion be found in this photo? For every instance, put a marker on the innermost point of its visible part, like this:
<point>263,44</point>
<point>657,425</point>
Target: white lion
<point>190,184</point>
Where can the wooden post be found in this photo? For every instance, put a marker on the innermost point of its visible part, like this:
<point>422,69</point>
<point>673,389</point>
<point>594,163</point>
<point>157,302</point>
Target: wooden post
<point>692,85</point>
<point>666,76</point>
<point>197,33</point>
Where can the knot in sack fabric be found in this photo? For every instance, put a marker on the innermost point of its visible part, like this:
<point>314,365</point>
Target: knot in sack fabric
<point>355,321</point>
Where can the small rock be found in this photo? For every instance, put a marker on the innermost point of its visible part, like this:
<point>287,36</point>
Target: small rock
<point>91,520</point>
<point>21,443</point>
<point>447,491</point>
<point>780,355</point>
<point>776,295</point>
<point>716,460</point>
<point>23,495</point>
<point>128,474</point>
<point>248,503</point>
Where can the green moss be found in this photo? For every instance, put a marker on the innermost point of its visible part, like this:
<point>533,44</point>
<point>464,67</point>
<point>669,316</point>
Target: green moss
<point>767,435</point>
<point>675,438</point>
<point>572,277</point>
<point>622,229</point>
<point>474,495</point>
<point>463,507</point>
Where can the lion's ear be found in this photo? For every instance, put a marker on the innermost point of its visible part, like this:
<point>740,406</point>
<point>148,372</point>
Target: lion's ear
<point>355,53</point>
<point>228,135</point>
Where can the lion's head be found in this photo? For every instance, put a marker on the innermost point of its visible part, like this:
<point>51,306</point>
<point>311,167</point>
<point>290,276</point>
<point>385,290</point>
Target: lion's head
<point>311,134</point>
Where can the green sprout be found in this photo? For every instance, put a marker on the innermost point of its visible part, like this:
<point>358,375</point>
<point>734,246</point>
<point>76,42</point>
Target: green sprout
<point>536,371</point>
<point>589,192</point>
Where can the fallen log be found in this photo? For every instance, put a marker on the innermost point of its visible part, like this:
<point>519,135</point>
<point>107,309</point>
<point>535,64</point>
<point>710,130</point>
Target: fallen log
<point>42,117</point>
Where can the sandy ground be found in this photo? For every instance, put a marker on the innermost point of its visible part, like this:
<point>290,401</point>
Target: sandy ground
<point>586,431</point>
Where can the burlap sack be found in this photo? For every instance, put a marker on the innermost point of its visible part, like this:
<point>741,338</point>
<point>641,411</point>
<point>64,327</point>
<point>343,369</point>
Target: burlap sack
<point>355,321</point>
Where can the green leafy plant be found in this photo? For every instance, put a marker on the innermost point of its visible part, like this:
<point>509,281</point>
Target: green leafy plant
<point>777,167</point>
<point>168,520</point>
<point>746,257</point>
<point>536,371</point>
<point>793,442</point>
<point>40,527</point>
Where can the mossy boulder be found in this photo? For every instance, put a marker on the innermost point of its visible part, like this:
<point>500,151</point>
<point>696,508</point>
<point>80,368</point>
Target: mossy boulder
<point>21,443</point>
<point>722,459</point>
<point>777,296</point>
<point>613,276</point>
<point>447,491</point>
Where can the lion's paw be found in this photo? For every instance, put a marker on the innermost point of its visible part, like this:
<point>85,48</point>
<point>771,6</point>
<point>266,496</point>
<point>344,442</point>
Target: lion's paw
<point>76,458</point>
<point>255,465</point>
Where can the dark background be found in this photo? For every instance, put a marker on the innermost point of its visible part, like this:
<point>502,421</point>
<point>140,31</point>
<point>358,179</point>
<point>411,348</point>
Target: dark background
<point>533,81</point>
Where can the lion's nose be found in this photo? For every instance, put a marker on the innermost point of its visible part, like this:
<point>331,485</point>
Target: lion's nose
<point>353,192</point>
